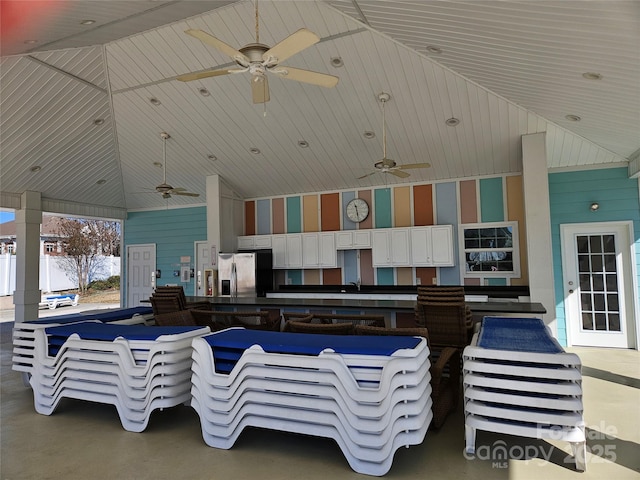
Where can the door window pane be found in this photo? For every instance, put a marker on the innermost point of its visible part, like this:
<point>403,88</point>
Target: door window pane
<point>596,263</point>
<point>609,243</point>
<point>582,244</point>
<point>587,321</point>
<point>583,263</point>
<point>598,282</point>
<point>614,322</point>
<point>610,263</point>
<point>595,243</point>
<point>612,302</point>
<point>601,321</point>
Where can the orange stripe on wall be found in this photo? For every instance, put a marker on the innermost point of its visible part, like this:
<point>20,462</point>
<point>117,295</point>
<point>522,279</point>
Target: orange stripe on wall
<point>310,213</point>
<point>330,212</point>
<point>250,217</point>
<point>468,202</point>
<point>277,209</point>
<point>368,222</point>
<point>332,276</point>
<point>515,212</point>
<point>402,207</point>
<point>426,275</point>
<point>422,205</point>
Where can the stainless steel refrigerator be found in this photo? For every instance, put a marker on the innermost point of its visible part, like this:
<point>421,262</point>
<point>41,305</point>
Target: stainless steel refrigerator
<point>245,274</point>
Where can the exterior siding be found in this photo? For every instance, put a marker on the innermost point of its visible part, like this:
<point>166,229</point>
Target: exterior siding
<point>174,233</point>
<point>570,195</point>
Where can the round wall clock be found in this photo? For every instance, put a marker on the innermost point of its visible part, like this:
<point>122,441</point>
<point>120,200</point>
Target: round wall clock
<point>357,210</point>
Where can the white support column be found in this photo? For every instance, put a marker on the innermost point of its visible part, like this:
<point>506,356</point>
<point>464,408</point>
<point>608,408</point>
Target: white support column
<point>26,297</point>
<point>538,221</point>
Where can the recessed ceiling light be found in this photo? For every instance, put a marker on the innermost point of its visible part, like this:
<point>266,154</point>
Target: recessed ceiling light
<point>573,118</point>
<point>30,42</point>
<point>592,76</point>
<point>157,164</point>
<point>452,122</point>
<point>337,62</point>
<point>155,101</point>
<point>36,168</point>
<point>254,150</point>
<point>204,92</point>
<point>369,135</point>
<point>87,22</point>
<point>212,157</point>
<point>102,181</point>
<point>434,49</point>
<point>98,121</point>
<point>303,144</point>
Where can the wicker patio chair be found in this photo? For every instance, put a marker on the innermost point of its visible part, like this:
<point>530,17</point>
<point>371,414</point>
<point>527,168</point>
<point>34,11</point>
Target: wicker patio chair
<point>179,292</point>
<point>164,304</point>
<point>445,371</point>
<point>179,318</point>
<point>354,319</point>
<point>219,320</point>
<point>443,311</point>
<point>319,328</point>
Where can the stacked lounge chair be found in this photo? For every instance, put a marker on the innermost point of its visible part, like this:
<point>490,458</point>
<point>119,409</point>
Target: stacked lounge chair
<point>24,332</point>
<point>137,368</point>
<point>371,394</point>
<point>518,380</point>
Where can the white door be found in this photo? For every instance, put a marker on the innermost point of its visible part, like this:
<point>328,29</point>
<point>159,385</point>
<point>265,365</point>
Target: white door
<point>203,260</point>
<point>599,284</point>
<point>141,268</point>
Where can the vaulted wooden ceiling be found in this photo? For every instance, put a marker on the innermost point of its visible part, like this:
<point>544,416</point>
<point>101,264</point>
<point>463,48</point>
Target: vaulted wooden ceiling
<point>76,100</point>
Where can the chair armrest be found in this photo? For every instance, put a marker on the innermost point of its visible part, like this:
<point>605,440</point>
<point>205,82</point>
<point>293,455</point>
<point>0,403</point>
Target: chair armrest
<point>448,355</point>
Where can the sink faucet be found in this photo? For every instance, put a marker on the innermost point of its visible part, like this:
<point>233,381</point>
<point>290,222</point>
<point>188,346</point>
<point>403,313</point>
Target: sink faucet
<point>356,284</point>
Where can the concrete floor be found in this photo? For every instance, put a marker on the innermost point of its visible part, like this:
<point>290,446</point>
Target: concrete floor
<point>83,440</point>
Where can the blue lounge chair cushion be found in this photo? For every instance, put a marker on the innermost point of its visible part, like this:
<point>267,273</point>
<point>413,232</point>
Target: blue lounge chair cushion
<point>109,332</point>
<point>517,334</point>
<point>108,316</point>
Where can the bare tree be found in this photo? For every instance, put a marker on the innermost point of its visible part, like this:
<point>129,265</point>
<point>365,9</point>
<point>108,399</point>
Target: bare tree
<point>85,243</point>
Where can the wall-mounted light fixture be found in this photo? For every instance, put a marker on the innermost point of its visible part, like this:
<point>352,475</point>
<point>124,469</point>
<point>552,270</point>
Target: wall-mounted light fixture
<point>594,206</point>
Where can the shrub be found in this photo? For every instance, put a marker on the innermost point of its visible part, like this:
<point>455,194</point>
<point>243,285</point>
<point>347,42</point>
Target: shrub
<point>111,283</point>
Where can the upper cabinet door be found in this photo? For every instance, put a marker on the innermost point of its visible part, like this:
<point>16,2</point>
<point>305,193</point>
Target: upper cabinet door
<point>400,252</point>
<point>442,246</point>
<point>327,255</point>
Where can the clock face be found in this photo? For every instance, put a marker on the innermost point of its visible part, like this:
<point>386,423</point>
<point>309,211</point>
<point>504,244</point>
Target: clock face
<point>357,210</point>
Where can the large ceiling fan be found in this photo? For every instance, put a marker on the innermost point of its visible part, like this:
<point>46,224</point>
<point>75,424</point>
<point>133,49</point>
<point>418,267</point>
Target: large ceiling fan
<point>259,59</point>
<point>386,165</point>
<point>164,188</point>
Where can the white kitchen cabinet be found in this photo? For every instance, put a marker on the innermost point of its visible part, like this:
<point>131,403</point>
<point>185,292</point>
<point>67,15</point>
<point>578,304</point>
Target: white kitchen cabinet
<point>353,239</point>
<point>319,250</point>
<point>432,246</point>
<point>390,247</point>
<point>442,246</point>
<point>254,242</point>
<point>287,250</point>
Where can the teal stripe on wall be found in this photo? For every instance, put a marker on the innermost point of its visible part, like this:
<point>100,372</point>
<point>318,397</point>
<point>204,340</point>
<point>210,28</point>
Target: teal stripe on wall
<point>174,233</point>
<point>382,210</point>
<point>491,200</point>
<point>294,215</point>
<point>263,212</point>
<point>570,195</point>
<point>447,214</point>
<point>385,276</point>
<point>496,282</point>
<point>294,277</point>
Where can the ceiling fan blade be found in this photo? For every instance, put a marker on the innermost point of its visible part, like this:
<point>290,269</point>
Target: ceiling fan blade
<point>219,45</point>
<point>294,43</point>
<point>398,173</point>
<point>184,194</point>
<point>367,175</point>
<point>306,76</point>
<point>260,89</point>
<point>188,77</point>
<point>414,165</point>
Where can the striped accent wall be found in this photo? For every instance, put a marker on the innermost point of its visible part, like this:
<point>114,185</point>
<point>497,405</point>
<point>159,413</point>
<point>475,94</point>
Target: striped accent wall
<point>457,202</point>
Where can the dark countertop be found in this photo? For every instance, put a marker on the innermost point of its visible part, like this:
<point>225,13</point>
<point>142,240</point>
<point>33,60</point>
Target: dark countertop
<point>395,305</point>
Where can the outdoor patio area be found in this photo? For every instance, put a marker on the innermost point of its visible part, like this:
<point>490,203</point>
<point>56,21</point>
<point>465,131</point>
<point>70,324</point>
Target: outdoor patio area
<point>86,440</point>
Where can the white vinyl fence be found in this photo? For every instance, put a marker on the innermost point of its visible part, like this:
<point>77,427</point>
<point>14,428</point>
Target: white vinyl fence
<point>52,277</point>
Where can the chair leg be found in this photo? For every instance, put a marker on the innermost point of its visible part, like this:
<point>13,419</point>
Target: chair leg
<point>470,439</point>
<point>580,455</point>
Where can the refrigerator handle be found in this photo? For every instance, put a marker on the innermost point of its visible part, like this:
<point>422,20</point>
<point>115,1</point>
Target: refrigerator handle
<point>234,285</point>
